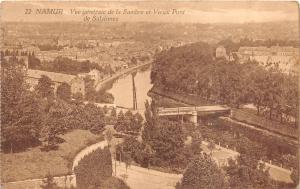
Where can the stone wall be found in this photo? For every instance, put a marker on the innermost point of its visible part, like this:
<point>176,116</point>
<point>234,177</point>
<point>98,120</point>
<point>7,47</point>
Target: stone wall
<point>67,181</point>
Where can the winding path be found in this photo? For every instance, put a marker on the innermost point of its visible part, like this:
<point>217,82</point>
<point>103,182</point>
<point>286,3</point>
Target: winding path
<point>137,177</point>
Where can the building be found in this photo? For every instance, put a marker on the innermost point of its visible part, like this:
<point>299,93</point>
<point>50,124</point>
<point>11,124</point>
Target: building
<point>93,74</point>
<point>77,83</point>
<point>125,66</point>
<point>221,52</point>
<point>268,52</point>
<point>287,58</point>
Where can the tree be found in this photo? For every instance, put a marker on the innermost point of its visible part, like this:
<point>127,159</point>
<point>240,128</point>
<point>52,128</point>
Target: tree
<point>113,112</point>
<point>295,176</point>
<point>211,146</point>
<point>33,62</point>
<point>148,154</point>
<point>64,91</point>
<point>136,123</point>
<point>94,169</point>
<point>133,148</point>
<point>133,61</point>
<point>151,120</point>
<point>104,97</point>
<point>168,143</point>
<point>247,172</point>
<point>204,173</point>
<point>56,121</point>
<point>20,109</point>
<point>94,117</point>
<point>109,136</point>
<point>191,69</point>
<point>45,87</point>
<point>128,122</point>
<point>128,118</point>
<point>196,143</point>
<point>127,160</point>
<point>120,125</point>
<point>90,92</point>
<point>105,109</point>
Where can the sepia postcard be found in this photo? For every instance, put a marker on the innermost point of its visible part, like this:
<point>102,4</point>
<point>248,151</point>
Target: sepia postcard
<point>149,94</point>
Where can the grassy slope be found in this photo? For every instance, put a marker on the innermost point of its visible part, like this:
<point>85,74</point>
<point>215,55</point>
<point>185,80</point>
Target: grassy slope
<point>249,116</point>
<point>36,164</point>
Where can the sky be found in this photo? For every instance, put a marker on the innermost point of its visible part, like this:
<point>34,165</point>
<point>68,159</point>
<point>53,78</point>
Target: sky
<point>196,12</point>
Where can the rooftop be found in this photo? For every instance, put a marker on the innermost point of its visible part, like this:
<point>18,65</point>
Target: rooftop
<point>56,77</point>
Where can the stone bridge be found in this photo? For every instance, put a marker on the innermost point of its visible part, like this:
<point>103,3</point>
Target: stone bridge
<point>192,113</point>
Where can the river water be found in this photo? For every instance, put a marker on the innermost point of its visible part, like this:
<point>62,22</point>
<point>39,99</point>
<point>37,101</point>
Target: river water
<point>122,89</point>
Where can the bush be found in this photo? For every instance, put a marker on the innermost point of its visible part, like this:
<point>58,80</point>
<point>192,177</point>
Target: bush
<point>202,172</point>
<point>94,169</point>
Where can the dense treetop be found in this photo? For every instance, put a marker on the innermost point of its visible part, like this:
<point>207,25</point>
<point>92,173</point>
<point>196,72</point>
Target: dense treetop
<point>192,69</point>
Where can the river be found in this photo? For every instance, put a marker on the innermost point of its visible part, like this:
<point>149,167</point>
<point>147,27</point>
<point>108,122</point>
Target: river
<point>122,90</point>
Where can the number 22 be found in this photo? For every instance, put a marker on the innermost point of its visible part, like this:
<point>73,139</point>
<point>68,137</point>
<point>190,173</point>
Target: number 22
<point>27,11</point>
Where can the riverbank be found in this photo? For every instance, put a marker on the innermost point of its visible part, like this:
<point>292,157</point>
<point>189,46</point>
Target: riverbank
<point>108,81</point>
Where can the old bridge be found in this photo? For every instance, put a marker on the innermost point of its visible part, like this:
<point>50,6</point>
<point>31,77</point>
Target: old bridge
<point>192,113</point>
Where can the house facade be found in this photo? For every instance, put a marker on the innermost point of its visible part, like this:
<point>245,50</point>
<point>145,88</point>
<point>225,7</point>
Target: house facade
<point>286,58</point>
<point>77,83</point>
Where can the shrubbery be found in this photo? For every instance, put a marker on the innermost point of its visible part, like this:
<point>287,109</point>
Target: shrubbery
<point>94,169</point>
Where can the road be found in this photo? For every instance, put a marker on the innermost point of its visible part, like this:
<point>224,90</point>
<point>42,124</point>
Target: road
<point>138,177</point>
<point>221,155</point>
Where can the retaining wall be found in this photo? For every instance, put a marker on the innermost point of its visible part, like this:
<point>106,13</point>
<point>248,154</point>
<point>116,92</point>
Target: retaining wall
<point>67,181</point>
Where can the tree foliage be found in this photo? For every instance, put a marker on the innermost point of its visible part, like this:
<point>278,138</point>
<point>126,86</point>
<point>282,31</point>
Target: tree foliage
<point>20,120</point>
<point>45,87</point>
<point>64,92</point>
<point>67,66</point>
<point>192,69</point>
<point>28,117</point>
<point>128,122</point>
<point>247,172</point>
<point>204,173</point>
<point>94,169</point>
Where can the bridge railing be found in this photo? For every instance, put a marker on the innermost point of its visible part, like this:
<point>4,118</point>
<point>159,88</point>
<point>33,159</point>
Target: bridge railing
<point>192,109</point>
